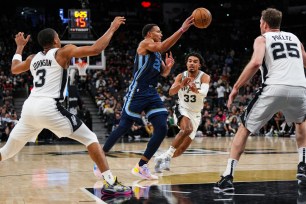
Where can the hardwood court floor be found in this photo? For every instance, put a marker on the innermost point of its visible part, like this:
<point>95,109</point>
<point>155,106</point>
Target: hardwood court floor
<point>62,173</point>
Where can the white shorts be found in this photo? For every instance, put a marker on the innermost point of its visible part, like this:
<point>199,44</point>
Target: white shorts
<point>289,100</point>
<point>40,112</point>
<point>195,118</point>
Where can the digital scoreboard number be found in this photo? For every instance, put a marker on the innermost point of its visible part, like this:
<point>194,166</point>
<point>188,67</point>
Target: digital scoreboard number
<point>79,20</point>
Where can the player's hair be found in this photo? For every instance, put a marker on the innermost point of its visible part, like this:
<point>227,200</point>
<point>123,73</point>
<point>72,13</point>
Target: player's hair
<point>272,17</point>
<point>147,28</point>
<point>46,37</point>
<point>195,54</point>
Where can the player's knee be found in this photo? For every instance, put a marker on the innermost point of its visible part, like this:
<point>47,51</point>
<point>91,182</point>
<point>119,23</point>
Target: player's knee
<point>84,136</point>
<point>186,132</point>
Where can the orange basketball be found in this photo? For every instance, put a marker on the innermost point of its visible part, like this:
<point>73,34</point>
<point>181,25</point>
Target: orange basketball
<point>202,17</point>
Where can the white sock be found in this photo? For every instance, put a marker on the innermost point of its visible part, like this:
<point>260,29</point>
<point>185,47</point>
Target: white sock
<point>230,168</point>
<point>170,151</point>
<point>302,154</point>
<point>108,177</point>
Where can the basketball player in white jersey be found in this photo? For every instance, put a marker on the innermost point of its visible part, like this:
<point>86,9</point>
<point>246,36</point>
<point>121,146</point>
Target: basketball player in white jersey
<point>192,87</point>
<point>281,58</point>
<point>42,109</point>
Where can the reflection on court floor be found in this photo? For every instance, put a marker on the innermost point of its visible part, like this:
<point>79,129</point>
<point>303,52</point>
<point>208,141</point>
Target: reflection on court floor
<point>245,192</point>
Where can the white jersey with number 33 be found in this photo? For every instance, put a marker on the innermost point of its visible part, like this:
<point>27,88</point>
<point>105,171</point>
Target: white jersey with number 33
<point>49,78</point>
<point>283,62</point>
<point>188,99</point>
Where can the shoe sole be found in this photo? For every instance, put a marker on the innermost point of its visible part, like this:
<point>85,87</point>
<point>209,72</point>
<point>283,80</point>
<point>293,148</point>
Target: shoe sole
<point>144,177</point>
<point>116,193</point>
<point>301,177</point>
<point>219,190</point>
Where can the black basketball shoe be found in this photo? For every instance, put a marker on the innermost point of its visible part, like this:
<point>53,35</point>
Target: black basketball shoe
<point>225,184</point>
<point>301,174</point>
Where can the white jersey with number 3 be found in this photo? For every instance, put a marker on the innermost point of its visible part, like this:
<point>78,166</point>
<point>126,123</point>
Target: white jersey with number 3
<point>46,70</point>
<point>283,62</point>
<point>188,99</point>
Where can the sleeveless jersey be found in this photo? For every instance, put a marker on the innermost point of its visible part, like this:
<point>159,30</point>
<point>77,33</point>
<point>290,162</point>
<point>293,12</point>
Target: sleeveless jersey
<point>147,69</point>
<point>49,78</point>
<point>188,99</point>
<point>283,62</point>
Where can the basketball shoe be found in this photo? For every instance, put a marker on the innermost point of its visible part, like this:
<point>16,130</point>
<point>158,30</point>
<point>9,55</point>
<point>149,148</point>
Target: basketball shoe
<point>158,162</point>
<point>116,199</point>
<point>116,189</point>
<point>143,172</point>
<point>166,164</point>
<point>301,174</point>
<point>162,163</point>
<point>225,184</point>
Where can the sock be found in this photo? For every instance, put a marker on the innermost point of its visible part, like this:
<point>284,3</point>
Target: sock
<point>142,162</point>
<point>230,168</point>
<point>108,177</point>
<point>302,154</point>
<point>170,151</point>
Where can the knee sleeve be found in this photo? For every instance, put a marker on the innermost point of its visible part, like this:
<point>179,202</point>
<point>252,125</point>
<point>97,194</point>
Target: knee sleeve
<point>84,135</point>
<point>11,148</point>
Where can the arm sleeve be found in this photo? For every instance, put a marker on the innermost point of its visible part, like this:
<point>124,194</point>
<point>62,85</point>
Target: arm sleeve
<point>204,89</point>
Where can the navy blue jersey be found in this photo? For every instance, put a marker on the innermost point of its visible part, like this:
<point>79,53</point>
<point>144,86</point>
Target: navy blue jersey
<point>147,68</point>
<point>142,94</point>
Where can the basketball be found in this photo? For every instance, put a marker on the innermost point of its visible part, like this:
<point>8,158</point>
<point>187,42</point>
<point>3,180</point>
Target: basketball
<point>202,17</point>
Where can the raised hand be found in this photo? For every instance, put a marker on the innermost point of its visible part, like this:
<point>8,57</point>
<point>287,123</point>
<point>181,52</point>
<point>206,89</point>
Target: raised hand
<point>169,60</point>
<point>21,40</point>
<point>187,23</point>
<point>117,22</point>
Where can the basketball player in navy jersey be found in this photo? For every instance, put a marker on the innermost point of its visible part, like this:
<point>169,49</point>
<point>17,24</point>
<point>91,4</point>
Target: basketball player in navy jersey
<point>281,58</point>
<point>42,109</point>
<point>142,94</point>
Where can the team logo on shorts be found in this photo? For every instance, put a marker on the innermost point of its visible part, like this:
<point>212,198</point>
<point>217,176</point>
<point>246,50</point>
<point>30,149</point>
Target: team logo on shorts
<point>74,121</point>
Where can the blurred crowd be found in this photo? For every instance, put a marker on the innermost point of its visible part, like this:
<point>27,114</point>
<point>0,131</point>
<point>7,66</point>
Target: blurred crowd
<point>224,61</point>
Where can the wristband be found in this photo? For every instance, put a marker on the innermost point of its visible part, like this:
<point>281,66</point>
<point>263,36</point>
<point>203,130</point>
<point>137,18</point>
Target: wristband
<point>182,30</point>
<point>17,57</point>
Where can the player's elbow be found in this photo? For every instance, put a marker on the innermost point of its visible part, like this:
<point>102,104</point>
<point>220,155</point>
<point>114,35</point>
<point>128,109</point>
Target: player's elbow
<point>256,63</point>
<point>96,51</point>
<point>14,71</point>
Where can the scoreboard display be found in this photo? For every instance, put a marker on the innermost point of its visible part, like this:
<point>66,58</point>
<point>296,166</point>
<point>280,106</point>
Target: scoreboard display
<point>79,20</point>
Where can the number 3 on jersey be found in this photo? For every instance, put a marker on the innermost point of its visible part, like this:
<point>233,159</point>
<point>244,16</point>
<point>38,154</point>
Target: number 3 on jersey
<point>41,73</point>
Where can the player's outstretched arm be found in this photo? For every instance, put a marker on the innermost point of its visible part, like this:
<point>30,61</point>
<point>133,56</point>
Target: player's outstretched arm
<point>100,44</point>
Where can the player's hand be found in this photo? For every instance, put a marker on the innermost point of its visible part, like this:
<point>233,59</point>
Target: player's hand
<point>193,87</point>
<point>117,22</point>
<point>169,60</point>
<point>21,40</point>
<point>185,82</point>
<point>231,97</point>
<point>187,23</point>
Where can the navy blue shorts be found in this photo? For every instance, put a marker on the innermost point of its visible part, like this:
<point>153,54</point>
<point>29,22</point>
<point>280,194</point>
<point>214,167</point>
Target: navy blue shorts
<point>148,101</point>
